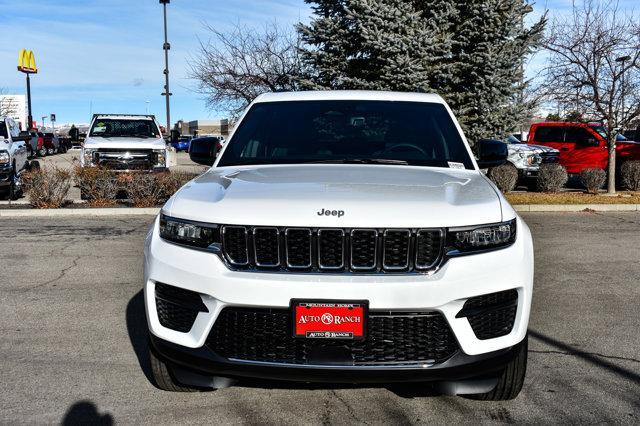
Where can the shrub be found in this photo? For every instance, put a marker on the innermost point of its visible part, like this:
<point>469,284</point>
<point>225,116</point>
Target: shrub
<point>505,177</point>
<point>144,190</point>
<point>551,177</point>
<point>46,187</point>
<point>98,186</point>
<point>593,179</point>
<point>171,182</point>
<point>630,174</point>
<point>152,189</point>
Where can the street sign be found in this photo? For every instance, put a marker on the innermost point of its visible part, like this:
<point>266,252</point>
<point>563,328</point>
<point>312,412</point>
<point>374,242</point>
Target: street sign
<point>53,117</point>
<point>27,62</point>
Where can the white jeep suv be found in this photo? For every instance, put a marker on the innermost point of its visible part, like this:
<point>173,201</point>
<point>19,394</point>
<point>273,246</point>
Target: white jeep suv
<point>341,236</point>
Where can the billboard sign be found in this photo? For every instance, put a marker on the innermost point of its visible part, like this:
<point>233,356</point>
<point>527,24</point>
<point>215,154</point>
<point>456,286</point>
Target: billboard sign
<point>27,62</point>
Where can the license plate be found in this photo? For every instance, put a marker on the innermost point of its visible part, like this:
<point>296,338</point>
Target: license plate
<point>329,320</point>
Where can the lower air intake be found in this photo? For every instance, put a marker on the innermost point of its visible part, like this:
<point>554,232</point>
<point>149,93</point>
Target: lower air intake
<point>491,315</point>
<point>177,308</point>
<point>391,338</point>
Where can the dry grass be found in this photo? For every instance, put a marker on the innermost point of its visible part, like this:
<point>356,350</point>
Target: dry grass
<point>623,197</point>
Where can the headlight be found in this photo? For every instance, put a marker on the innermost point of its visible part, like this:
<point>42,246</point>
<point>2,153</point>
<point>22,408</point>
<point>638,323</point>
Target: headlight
<point>161,157</point>
<point>533,159</point>
<point>88,156</point>
<point>4,158</point>
<point>482,237</point>
<point>194,234</point>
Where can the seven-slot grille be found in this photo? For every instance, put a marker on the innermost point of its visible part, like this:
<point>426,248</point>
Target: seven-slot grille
<point>331,249</point>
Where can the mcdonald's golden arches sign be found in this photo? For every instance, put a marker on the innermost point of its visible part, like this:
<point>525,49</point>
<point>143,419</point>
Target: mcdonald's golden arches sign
<point>27,62</point>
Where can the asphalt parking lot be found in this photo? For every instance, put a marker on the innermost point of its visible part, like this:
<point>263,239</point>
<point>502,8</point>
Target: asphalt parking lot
<point>74,337</point>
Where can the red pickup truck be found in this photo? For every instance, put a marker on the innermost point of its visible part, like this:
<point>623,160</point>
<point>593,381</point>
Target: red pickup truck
<point>581,145</point>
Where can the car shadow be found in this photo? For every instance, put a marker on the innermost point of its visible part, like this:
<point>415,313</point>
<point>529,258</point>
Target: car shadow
<point>85,412</point>
<point>598,360</point>
<point>138,332</point>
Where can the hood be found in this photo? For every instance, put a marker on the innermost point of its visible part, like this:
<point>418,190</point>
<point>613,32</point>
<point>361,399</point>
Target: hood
<point>527,148</point>
<point>124,143</point>
<point>368,196</point>
<point>627,142</point>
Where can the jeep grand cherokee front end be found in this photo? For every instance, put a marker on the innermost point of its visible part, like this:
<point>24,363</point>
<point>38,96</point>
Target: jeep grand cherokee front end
<point>423,274</point>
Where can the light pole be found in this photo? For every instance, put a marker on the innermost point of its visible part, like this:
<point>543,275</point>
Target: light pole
<point>166,46</point>
<point>622,60</point>
<point>147,107</point>
<point>44,117</point>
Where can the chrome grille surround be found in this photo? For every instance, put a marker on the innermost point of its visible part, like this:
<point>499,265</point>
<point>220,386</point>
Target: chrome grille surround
<point>373,260</point>
<point>236,250</point>
<point>395,252</point>
<point>257,231</point>
<point>325,248</point>
<point>295,253</point>
<point>437,245</point>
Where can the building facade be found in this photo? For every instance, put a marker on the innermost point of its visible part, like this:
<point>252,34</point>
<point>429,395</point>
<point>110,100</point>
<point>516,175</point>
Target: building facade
<point>15,106</point>
<point>203,127</point>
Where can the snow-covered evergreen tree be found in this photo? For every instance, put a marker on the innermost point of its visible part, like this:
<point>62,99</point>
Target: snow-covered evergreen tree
<point>372,44</point>
<point>489,47</point>
<point>469,51</point>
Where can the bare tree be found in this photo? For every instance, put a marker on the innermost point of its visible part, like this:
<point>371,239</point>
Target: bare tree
<point>595,63</point>
<point>234,67</point>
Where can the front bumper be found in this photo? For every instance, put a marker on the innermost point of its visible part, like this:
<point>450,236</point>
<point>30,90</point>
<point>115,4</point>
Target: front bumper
<point>203,361</point>
<point>529,173</point>
<point>444,291</point>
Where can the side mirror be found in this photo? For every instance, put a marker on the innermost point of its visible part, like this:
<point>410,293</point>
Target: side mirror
<point>175,136</point>
<point>202,151</point>
<point>491,153</point>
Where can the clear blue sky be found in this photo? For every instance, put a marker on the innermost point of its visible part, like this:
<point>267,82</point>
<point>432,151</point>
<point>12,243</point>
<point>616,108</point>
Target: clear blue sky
<point>106,55</point>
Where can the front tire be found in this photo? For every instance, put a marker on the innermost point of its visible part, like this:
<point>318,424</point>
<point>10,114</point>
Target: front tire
<point>14,192</point>
<point>512,378</point>
<point>164,378</point>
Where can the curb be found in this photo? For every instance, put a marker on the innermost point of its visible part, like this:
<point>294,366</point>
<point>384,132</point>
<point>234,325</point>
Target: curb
<point>89,212</point>
<point>576,207</point>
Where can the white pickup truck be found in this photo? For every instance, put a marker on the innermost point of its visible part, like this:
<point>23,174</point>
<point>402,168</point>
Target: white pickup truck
<point>13,156</point>
<point>125,143</point>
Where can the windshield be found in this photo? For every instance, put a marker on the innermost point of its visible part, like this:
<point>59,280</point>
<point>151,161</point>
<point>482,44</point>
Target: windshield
<point>3,130</point>
<point>601,131</point>
<point>116,128</point>
<point>414,133</point>
<point>513,139</point>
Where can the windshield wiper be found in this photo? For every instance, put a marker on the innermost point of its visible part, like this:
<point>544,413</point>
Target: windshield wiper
<point>363,161</point>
